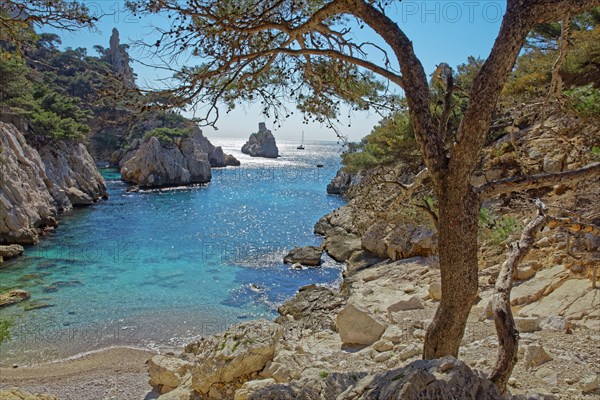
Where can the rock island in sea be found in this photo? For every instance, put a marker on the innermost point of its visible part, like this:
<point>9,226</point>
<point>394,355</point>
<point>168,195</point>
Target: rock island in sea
<point>261,143</point>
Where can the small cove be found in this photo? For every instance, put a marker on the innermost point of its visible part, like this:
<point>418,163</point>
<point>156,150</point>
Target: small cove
<point>154,269</point>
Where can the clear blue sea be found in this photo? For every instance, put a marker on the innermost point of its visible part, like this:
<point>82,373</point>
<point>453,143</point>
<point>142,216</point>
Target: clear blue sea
<point>156,269</point>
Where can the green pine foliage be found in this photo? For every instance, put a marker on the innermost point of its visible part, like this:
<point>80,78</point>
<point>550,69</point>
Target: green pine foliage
<point>167,135</point>
<point>391,140</point>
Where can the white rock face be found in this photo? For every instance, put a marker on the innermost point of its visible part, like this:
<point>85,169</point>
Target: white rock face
<point>261,144</point>
<point>242,350</point>
<point>155,165</point>
<point>72,171</point>
<point>36,184</point>
<point>26,205</point>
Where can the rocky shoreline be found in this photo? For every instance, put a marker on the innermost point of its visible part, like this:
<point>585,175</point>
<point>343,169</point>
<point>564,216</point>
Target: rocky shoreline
<point>354,343</point>
<point>364,341</point>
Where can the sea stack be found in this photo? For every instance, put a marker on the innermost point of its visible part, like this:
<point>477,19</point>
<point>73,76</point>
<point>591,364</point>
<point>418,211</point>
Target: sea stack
<point>156,164</point>
<point>261,143</point>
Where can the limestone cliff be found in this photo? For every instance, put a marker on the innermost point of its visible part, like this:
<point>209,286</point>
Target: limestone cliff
<point>261,144</point>
<point>26,206</point>
<point>36,184</point>
<point>75,180</point>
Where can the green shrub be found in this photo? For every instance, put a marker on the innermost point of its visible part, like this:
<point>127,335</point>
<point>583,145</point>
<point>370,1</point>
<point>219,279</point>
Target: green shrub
<point>495,229</point>
<point>167,135</point>
<point>390,141</point>
<point>5,325</point>
<point>585,100</point>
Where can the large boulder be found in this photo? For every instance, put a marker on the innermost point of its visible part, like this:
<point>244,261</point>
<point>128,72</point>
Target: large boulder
<point>357,325</point>
<point>12,297</point>
<point>168,372</point>
<point>159,165</point>
<point>340,244</point>
<point>309,255</point>
<point>398,242</point>
<point>261,144</point>
<point>26,205</point>
<point>232,357</point>
<point>11,251</point>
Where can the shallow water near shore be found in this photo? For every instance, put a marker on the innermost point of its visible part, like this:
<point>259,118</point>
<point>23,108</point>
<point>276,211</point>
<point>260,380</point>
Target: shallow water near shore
<point>154,269</point>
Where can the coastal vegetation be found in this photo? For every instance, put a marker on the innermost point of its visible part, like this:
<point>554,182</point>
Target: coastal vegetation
<point>167,135</point>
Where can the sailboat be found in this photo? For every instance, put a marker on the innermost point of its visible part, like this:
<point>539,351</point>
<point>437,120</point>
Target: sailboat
<point>301,147</point>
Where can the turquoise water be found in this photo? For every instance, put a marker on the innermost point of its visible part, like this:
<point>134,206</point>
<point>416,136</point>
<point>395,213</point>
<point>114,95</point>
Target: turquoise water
<point>155,269</point>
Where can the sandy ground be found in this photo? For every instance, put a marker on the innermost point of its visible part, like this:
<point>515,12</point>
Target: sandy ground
<point>116,373</point>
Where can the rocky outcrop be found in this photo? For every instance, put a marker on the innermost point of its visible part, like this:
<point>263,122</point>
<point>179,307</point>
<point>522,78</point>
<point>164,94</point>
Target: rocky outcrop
<point>119,60</point>
<point>314,308</point>
<point>340,244</point>
<point>27,207</point>
<point>12,297</point>
<point>343,181</point>
<point>219,364</point>
<point>443,378</point>
<point>397,242</point>
<point>38,180</point>
<point>340,183</point>
<point>261,144</point>
<point>309,255</point>
<point>219,159</point>
<point>183,162</point>
<point>216,156</point>
<point>158,165</point>
<point>11,251</point>
<point>17,394</point>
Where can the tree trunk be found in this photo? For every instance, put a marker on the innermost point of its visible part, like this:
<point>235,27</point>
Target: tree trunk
<point>458,221</point>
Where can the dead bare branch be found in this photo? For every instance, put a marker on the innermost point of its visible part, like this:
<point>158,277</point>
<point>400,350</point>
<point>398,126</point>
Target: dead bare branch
<point>508,336</point>
<point>521,183</point>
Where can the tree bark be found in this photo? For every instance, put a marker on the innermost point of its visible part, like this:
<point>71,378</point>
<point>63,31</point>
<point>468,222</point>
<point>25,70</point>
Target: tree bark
<point>458,226</point>
<point>508,336</point>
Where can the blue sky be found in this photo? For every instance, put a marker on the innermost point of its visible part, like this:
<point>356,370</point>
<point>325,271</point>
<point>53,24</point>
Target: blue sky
<point>441,31</point>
